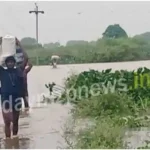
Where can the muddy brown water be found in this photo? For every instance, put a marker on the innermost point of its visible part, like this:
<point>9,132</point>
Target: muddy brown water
<point>42,127</point>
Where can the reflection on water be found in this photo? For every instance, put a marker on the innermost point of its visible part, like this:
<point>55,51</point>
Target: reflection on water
<point>23,143</point>
<point>16,143</point>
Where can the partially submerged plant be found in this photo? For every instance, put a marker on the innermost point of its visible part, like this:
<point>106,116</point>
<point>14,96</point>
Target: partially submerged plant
<point>50,87</point>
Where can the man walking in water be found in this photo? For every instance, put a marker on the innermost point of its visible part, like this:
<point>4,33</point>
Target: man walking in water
<point>12,82</point>
<point>25,68</point>
<point>54,60</point>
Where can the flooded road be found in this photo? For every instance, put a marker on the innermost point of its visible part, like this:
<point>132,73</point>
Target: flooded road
<point>42,128</point>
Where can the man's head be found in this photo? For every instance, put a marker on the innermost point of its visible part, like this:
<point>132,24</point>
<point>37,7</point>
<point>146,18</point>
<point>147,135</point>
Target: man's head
<point>10,62</point>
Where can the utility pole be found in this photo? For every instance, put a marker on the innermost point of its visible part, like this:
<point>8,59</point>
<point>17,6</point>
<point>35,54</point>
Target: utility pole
<point>36,11</point>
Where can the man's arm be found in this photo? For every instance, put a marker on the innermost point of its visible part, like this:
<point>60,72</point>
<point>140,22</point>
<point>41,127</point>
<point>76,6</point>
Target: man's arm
<point>29,67</point>
<point>24,54</point>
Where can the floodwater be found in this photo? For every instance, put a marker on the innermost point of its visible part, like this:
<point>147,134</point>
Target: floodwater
<point>42,127</point>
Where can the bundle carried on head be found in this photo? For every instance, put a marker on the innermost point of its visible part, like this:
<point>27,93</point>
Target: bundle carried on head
<point>55,57</point>
<point>10,47</point>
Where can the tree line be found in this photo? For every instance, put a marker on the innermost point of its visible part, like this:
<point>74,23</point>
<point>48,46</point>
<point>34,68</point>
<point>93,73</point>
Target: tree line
<point>114,46</point>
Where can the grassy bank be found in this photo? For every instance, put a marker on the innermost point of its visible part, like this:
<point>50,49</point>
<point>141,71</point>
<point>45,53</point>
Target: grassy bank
<point>113,115</point>
<point>102,50</point>
<point>112,111</point>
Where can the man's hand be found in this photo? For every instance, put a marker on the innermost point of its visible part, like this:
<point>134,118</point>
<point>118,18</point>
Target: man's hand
<point>29,67</point>
<point>24,53</point>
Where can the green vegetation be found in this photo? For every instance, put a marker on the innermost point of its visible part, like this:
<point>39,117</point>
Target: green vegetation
<point>113,112</point>
<point>114,46</point>
<point>145,36</point>
<point>134,83</point>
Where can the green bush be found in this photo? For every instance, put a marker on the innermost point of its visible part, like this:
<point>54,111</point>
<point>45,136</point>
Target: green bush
<point>106,105</point>
<point>104,135</point>
<point>134,83</point>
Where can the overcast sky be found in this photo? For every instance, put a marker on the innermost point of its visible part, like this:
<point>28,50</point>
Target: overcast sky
<point>61,21</point>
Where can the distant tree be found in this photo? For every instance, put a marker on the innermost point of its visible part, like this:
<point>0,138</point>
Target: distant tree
<point>144,36</point>
<point>93,43</point>
<point>114,31</point>
<point>78,42</point>
<point>28,41</point>
<point>52,45</point>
